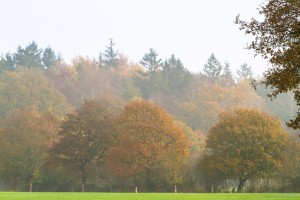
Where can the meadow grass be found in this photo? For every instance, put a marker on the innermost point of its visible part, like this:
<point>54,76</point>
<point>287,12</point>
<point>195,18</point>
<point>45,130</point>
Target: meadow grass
<point>143,196</point>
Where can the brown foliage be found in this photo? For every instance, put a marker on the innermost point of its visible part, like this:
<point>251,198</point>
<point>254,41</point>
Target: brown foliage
<point>85,135</point>
<point>276,38</point>
<point>26,136</point>
<point>148,142</point>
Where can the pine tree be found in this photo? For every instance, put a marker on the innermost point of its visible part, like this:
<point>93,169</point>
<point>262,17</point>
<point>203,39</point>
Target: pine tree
<point>227,75</point>
<point>49,57</point>
<point>110,55</point>
<point>213,67</point>
<point>100,60</point>
<point>30,56</point>
<point>151,62</point>
<point>244,72</point>
<point>7,63</point>
<point>174,74</point>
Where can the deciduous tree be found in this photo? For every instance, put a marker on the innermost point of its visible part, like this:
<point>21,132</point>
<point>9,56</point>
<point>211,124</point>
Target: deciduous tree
<point>26,136</point>
<point>149,145</point>
<point>290,170</point>
<point>85,135</point>
<point>277,39</point>
<point>244,144</point>
<point>29,87</point>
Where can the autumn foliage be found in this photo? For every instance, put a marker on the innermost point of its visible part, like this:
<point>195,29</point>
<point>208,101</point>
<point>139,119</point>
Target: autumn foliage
<point>26,137</point>
<point>244,144</point>
<point>85,135</point>
<point>149,142</point>
<point>113,140</point>
<point>276,38</point>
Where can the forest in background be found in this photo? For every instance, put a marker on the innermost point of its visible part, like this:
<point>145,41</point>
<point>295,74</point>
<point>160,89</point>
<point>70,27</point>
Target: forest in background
<point>42,96</point>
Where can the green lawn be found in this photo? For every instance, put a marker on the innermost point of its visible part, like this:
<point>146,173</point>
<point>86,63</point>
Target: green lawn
<point>142,196</point>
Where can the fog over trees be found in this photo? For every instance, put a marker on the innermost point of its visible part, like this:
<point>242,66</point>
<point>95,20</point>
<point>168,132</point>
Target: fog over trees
<point>109,124</point>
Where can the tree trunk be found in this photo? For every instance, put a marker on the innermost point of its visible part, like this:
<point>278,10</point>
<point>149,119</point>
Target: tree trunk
<point>241,185</point>
<point>30,187</point>
<point>82,187</point>
<point>83,179</point>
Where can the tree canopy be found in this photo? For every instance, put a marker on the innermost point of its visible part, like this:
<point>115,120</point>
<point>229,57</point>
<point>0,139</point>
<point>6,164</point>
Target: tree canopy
<point>31,57</point>
<point>149,144</point>
<point>277,39</point>
<point>29,87</point>
<point>85,135</point>
<point>113,140</point>
<point>26,136</point>
<point>244,144</point>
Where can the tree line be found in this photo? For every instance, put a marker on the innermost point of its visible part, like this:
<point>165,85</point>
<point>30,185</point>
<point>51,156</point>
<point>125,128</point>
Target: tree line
<point>108,124</point>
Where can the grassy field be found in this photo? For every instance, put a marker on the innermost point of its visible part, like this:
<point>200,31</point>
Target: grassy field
<point>142,196</point>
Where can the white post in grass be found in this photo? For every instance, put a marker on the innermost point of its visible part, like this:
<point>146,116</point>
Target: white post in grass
<point>136,189</point>
<point>175,189</point>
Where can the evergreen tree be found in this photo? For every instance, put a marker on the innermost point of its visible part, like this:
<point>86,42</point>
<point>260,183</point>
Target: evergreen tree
<point>100,60</point>
<point>227,75</point>
<point>30,56</point>
<point>244,72</point>
<point>111,55</point>
<point>150,80</point>
<point>213,67</point>
<point>151,62</point>
<point>49,57</point>
<point>174,74</point>
<point>7,63</point>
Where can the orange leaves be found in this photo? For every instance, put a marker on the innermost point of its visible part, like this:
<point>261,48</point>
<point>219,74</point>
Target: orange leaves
<point>148,140</point>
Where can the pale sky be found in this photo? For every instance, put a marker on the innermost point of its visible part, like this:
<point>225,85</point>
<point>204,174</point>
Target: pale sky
<point>190,29</point>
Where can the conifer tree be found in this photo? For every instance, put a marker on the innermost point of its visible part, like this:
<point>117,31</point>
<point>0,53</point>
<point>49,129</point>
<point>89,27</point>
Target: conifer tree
<point>151,62</point>
<point>244,72</point>
<point>110,55</point>
<point>213,67</point>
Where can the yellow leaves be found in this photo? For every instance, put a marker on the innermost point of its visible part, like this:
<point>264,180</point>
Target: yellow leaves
<point>245,142</point>
<point>28,87</point>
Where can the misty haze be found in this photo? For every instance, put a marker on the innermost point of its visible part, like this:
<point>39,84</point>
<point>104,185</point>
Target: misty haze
<point>150,97</point>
